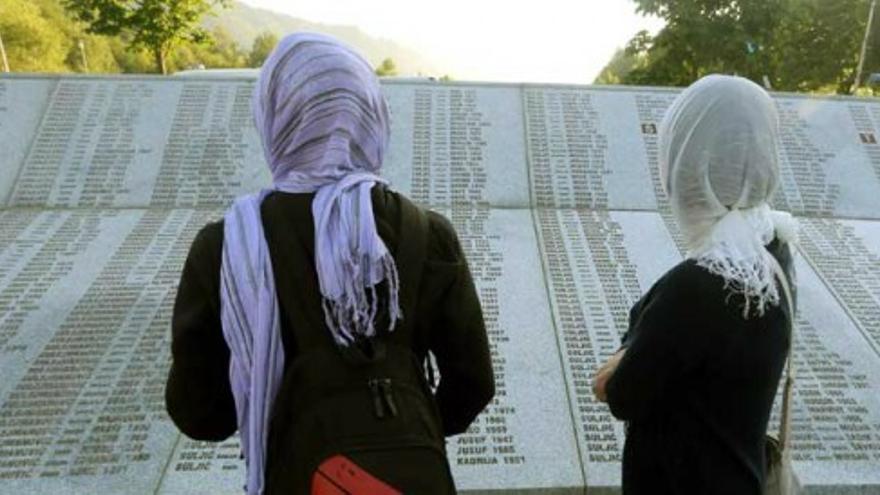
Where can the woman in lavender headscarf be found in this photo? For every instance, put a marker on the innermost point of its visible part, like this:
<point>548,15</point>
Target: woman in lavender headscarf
<point>304,318</point>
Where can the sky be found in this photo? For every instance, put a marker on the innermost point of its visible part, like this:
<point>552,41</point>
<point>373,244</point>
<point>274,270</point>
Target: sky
<point>558,41</point>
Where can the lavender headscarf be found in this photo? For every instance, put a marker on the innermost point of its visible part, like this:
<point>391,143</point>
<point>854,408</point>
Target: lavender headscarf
<point>324,126</point>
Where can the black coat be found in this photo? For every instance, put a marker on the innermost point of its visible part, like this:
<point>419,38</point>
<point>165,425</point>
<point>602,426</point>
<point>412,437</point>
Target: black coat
<point>448,318</point>
<point>696,386</point>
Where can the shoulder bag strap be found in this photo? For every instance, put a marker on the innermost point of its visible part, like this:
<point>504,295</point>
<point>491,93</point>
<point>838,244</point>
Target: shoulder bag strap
<point>785,423</point>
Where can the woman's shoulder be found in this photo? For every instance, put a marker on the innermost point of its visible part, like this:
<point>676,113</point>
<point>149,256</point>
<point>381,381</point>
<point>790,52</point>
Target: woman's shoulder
<point>443,243</point>
<point>208,242</point>
<point>211,233</point>
<point>686,274</point>
<point>689,282</point>
<point>701,292</point>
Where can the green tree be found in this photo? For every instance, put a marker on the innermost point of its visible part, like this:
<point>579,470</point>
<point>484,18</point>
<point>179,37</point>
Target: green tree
<point>32,43</point>
<point>818,45</point>
<point>156,25</point>
<point>96,48</point>
<point>262,47</point>
<point>386,68</point>
<point>704,36</point>
<point>130,61</point>
<point>219,51</point>
<point>622,63</point>
<point>798,45</point>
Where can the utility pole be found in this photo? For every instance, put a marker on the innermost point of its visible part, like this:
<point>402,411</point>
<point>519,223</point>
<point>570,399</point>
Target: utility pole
<point>3,56</point>
<point>82,52</point>
<point>864,47</point>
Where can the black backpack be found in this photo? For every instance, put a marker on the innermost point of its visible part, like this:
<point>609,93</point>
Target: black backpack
<point>362,420</point>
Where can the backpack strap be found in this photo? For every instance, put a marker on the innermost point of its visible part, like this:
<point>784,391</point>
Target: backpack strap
<point>411,255</point>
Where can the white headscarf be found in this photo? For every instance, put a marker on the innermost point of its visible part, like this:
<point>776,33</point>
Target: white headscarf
<point>719,165</point>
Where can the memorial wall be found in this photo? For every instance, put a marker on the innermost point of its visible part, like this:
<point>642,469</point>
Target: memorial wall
<point>555,194</point>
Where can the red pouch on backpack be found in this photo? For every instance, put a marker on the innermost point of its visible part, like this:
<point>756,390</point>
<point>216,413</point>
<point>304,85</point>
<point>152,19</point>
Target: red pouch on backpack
<point>338,475</point>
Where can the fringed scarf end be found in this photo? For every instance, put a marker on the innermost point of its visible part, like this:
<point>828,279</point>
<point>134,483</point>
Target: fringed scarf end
<point>353,314</point>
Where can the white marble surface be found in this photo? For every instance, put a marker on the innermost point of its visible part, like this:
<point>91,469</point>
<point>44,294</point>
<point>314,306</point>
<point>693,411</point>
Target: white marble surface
<point>555,196</point>
<point>21,106</point>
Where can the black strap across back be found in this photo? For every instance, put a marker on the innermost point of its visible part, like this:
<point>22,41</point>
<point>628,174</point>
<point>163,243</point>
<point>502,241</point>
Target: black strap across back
<point>370,402</point>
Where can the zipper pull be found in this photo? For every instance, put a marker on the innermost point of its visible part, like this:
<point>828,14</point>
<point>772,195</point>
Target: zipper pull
<point>389,397</point>
<point>378,409</point>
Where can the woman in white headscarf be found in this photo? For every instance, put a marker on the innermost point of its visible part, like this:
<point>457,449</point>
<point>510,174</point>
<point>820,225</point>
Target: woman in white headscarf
<point>707,344</point>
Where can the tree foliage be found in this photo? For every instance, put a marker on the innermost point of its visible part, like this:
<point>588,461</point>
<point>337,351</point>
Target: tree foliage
<point>262,47</point>
<point>799,45</point>
<point>157,25</point>
<point>386,68</point>
<point>31,43</point>
<point>44,36</point>
<point>220,52</point>
<point>622,63</point>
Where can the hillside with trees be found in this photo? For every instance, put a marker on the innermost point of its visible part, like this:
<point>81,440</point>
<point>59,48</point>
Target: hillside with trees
<point>244,24</point>
<point>104,36</point>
